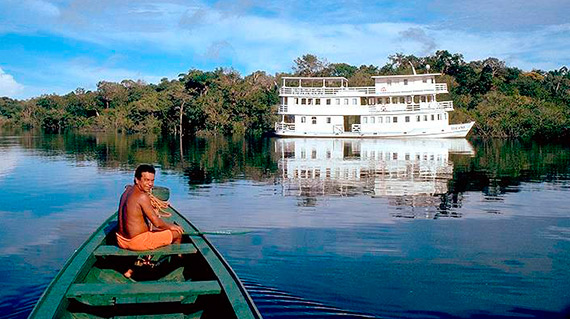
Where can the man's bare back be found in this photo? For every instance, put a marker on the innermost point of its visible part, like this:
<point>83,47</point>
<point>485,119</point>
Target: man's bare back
<point>135,209</point>
<point>131,216</point>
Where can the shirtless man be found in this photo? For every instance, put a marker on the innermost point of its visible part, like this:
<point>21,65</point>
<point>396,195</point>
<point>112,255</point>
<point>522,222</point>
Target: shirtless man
<point>135,208</point>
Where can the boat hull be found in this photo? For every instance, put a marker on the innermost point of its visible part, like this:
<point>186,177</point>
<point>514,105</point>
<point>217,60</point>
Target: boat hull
<point>191,280</point>
<point>450,131</point>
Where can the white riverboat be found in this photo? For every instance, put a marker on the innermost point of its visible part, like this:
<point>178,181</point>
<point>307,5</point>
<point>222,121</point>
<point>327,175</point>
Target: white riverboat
<point>396,106</point>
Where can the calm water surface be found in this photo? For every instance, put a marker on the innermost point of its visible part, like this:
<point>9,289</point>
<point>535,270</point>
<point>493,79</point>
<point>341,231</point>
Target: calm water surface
<point>338,228</point>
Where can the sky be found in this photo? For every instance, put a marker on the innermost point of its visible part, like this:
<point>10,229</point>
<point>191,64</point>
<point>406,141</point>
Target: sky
<point>57,46</point>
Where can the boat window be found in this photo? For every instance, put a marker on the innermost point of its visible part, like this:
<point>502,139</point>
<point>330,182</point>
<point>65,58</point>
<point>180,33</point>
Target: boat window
<point>303,119</point>
<point>425,117</point>
<point>387,119</point>
<point>328,101</point>
<point>314,154</point>
<point>389,82</point>
<point>395,119</point>
<point>405,81</point>
<point>416,99</point>
<point>438,116</point>
<point>337,101</point>
<point>345,101</point>
<point>409,99</point>
<point>418,118</point>
<point>387,100</point>
<point>297,100</point>
<point>432,117</point>
<point>303,101</point>
<point>309,101</point>
<point>364,119</point>
<point>372,119</point>
<point>314,119</point>
<point>328,120</point>
<point>354,102</point>
<point>429,98</point>
<point>317,101</point>
<point>445,115</point>
<point>432,80</point>
<point>379,119</point>
<point>424,80</point>
<point>407,119</point>
<point>379,100</point>
<point>423,98</point>
<point>402,100</point>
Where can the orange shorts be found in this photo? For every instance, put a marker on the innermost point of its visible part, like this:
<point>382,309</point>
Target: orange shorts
<point>146,241</point>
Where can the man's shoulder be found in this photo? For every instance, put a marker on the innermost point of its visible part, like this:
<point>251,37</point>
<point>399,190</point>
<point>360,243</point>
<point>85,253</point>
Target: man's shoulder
<point>138,195</point>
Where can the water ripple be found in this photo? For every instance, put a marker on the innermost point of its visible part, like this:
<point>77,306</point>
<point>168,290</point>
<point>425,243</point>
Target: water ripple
<point>274,303</point>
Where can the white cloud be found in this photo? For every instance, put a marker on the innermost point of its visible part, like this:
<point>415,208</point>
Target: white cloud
<point>8,86</point>
<point>253,35</point>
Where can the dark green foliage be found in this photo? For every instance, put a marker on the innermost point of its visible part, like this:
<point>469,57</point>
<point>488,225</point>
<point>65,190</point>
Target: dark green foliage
<point>504,101</point>
<point>10,108</point>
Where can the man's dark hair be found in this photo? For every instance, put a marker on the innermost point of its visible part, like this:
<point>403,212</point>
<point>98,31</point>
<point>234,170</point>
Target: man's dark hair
<point>142,169</point>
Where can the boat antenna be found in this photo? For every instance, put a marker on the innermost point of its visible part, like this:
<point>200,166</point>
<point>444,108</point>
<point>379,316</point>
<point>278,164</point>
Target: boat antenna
<point>413,69</point>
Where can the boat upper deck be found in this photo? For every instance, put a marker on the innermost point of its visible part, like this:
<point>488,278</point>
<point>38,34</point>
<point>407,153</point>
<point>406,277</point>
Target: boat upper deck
<point>414,84</point>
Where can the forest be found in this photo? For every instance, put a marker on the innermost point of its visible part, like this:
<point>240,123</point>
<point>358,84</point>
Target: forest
<point>505,102</point>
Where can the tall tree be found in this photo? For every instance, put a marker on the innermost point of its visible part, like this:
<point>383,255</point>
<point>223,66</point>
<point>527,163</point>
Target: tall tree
<point>310,65</point>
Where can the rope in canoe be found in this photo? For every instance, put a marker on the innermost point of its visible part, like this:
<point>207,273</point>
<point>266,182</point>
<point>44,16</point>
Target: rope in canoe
<point>159,205</point>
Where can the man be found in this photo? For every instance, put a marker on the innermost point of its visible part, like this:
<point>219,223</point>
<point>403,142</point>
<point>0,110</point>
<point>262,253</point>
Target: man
<point>135,209</point>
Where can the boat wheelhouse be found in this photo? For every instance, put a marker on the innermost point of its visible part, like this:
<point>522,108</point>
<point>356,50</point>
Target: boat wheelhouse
<point>396,106</point>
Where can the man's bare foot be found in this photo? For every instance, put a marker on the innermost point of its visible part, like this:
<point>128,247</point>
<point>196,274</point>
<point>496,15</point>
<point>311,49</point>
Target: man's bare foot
<point>128,273</point>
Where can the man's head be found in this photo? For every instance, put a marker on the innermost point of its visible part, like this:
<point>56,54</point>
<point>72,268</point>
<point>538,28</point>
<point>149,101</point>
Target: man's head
<point>144,177</point>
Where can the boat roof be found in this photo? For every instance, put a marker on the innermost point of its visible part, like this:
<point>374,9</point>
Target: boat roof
<point>404,76</point>
<point>314,78</point>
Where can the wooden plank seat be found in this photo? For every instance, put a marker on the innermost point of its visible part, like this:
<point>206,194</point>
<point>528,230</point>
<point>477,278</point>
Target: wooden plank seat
<point>98,294</point>
<point>174,249</point>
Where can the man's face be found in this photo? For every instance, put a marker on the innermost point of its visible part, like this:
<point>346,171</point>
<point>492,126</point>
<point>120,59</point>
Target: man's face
<point>146,182</point>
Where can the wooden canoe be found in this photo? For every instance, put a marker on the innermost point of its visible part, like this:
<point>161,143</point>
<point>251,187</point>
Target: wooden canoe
<point>190,280</point>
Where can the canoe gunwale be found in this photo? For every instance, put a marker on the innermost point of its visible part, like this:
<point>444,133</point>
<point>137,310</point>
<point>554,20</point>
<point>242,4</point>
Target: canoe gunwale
<point>54,300</point>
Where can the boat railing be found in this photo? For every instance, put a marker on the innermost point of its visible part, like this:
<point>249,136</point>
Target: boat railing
<point>412,107</point>
<point>367,90</point>
<point>355,128</point>
<point>279,126</point>
<point>441,87</point>
<point>446,105</point>
<point>325,90</point>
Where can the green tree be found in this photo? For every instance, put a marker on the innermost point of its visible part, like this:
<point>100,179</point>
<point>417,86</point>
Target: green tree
<point>310,65</point>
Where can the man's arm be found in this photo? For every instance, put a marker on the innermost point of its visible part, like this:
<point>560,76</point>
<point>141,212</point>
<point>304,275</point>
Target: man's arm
<point>148,211</point>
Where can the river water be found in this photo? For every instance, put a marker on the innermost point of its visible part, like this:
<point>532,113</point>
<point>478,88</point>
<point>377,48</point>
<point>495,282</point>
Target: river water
<point>336,228</point>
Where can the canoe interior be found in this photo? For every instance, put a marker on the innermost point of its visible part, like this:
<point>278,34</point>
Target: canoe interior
<point>187,281</point>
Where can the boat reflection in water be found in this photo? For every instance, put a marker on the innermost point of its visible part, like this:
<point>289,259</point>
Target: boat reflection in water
<point>412,175</point>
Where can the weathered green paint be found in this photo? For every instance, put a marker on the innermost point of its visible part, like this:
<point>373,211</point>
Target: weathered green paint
<point>141,292</point>
<point>110,250</point>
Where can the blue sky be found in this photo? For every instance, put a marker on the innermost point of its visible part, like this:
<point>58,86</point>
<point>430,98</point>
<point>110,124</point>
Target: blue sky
<point>56,46</point>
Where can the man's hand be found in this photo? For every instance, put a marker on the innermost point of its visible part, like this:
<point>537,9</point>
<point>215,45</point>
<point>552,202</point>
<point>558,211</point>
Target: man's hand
<point>177,228</point>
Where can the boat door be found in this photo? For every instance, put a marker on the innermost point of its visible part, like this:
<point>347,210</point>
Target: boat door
<point>349,120</point>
